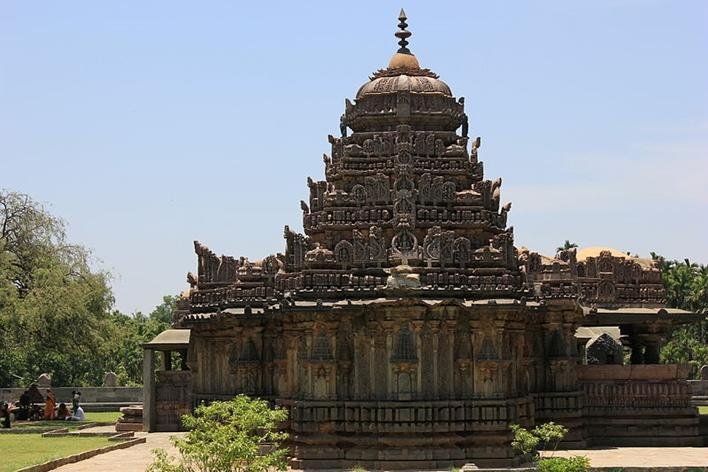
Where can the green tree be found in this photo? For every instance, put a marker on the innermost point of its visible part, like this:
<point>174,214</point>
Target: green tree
<point>129,332</point>
<point>238,435</point>
<point>163,312</point>
<point>686,288</point>
<point>53,305</point>
<point>55,309</point>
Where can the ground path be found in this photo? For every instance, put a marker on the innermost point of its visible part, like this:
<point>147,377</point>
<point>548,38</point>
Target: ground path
<point>643,456</point>
<point>133,459</point>
<point>137,458</point>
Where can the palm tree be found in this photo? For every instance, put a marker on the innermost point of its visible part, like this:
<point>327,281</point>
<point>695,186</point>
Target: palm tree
<point>567,245</point>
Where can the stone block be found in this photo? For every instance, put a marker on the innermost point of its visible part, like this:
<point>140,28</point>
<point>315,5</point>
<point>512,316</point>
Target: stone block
<point>44,381</point>
<point>110,379</point>
<point>121,427</point>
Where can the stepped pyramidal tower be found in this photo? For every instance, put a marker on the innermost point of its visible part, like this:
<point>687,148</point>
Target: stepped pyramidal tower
<point>404,329</point>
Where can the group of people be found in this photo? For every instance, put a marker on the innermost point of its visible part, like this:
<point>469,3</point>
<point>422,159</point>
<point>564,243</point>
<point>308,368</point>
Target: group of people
<point>33,406</point>
<point>51,412</point>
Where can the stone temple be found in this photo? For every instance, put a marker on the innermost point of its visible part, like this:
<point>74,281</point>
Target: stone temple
<point>404,329</point>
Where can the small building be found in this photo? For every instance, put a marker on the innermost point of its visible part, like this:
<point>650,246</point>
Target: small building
<point>404,329</point>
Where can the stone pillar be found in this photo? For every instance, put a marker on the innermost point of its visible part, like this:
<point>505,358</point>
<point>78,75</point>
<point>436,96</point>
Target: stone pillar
<point>581,349</point>
<point>183,354</point>
<point>637,356</point>
<point>166,360</point>
<point>148,391</point>
<point>651,353</point>
<point>652,348</point>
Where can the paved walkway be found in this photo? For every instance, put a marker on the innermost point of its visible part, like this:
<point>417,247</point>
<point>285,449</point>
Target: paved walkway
<point>643,456</point>
<point>137,458</point>
<point>133,459</point>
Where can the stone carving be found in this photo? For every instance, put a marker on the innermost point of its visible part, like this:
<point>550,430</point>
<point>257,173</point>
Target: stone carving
<point>377,245</point>
<point>606,291</point>
<point>436,190</point>
<point>344,253</point>
<point>321,350</point>
<point>359,194</point>
<point>271,265</point>
<point>319,257</point>
<point>296,247</point>
<point>438,245</point>
<point>461,251</point>
<point>604,349</point>
<point>405,244</point>
<point>402,277</point>
<point>488,352</point>
<point>213,269</point>
<point>361,251</point>
<point>404,348</point>
<point>249,353</point>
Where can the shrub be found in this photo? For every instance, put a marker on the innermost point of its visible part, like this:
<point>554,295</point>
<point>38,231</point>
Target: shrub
<point>236,436</point>
<point>524,441</point>
<point>550,434</point>
<point>564,464</point>
<point>541,437</point>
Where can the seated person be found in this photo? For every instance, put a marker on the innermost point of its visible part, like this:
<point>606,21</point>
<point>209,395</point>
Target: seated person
<point>4,415</point>
<point>75,399</point>
<point>63,412</point>
<point>78,415</point>
<point>49,405</point>
<point>24,406</point>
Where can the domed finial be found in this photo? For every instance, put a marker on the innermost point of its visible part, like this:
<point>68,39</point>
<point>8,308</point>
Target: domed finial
<point>403,34</point>
<point>403,58</point>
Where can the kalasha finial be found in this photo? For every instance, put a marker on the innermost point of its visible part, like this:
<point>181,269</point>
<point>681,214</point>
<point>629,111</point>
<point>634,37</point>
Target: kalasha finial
<point>403,34</point>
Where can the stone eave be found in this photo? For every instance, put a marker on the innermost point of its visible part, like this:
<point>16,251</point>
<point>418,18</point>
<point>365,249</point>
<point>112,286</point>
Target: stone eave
<point>629,315</point>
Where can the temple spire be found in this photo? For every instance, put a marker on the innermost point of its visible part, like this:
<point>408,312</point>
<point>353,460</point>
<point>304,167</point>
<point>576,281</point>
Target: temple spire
<point>403,34</point>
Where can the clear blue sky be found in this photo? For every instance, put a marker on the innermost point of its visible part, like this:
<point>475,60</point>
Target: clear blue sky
<point>146,125</point>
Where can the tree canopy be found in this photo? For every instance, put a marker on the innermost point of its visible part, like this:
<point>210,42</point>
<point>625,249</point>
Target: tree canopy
<point>686,288</point>
<point>55,309</point>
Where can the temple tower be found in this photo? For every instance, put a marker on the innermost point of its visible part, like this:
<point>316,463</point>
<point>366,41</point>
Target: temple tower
<point>403,329</point>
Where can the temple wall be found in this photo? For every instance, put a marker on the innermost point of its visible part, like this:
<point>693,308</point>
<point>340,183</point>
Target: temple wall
<point>416,353</point>
<point>392,371</point>
<point>638,405</point>
<point>173,398</point>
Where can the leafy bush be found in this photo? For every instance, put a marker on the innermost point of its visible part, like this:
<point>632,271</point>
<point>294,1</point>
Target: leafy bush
<point>550,434</point>
<point>547,436</point>
<point>524,441</point>
<point>564,464</point>
<point>541,437</point>
<point>237,436</point>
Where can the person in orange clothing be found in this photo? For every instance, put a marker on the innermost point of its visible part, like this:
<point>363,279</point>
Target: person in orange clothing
<point>49,405</point>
